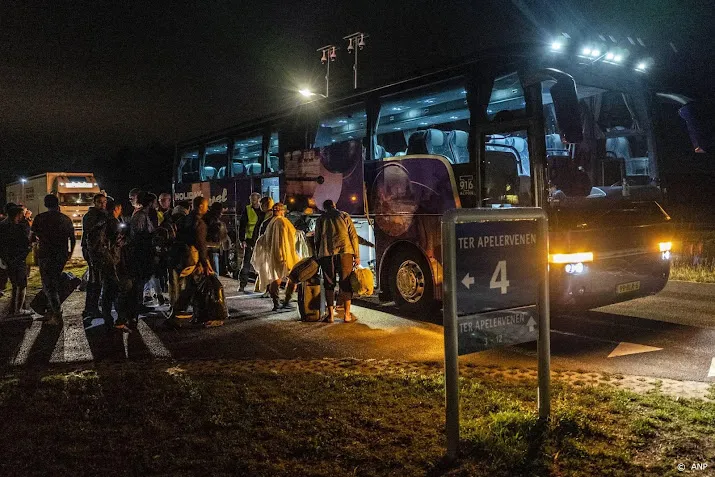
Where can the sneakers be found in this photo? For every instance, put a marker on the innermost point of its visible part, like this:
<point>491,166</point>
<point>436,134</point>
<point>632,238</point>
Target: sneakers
<point>242,288</point>
<point>286,305</point>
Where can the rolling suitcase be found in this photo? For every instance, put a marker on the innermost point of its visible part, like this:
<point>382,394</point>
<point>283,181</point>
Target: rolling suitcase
<point>68,284</point>
<point>309,300</point>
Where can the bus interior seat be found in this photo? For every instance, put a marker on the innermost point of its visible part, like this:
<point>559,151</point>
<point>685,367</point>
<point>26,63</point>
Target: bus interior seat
<point>515,144</point>
<point>253,168</point>
<point>554,143</point>
<point>274,163</point>
<point>237,169</point>
<point>400,153</point>
<point>429,141</point>
<point>619,146</point>
<point>221,173</point>
<point>459,142</point>
<point>209,173</point>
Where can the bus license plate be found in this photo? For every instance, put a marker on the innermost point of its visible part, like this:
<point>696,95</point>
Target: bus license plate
<point>628,287</point>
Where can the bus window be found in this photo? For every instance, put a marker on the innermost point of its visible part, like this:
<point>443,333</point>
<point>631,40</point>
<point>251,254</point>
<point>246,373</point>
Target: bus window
<point>247,157</point>
<point>188,170</point>
<point>615,148</point>
<point>506,173</point>
<point>433,120</point>
<point>215,160</point>
<point>507,100</point>
<point>347,125</point>
<point>273,154</point>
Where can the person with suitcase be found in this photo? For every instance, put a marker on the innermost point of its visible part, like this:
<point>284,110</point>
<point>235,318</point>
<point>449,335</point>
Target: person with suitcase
<point>336,246</point>
<point>14,247</point>
<point>54,231</point>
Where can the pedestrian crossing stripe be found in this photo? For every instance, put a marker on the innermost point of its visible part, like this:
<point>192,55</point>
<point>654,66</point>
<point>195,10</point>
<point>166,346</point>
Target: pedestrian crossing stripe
<point>72,345</point>
<point>625,348</point>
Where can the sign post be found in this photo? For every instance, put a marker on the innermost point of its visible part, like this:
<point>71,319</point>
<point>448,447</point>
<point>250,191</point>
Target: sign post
<point>496,293</point>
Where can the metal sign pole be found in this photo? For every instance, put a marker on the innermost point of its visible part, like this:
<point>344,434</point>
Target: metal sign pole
<point>544,342</point>
<point>451,366</point>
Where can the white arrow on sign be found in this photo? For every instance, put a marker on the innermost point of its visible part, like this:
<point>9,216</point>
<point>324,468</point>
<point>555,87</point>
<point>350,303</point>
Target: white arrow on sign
<point>468,281</point>
<point>531,323</point>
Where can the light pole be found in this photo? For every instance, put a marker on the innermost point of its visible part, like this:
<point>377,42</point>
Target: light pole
<point>329,55</point>
<point>22,181</point>
<point>356,41</point>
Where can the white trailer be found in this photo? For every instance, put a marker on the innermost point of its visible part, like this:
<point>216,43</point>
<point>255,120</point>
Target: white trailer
<point>75,191</point>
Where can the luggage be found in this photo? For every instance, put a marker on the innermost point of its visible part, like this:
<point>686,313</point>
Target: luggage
<point>309,300</point>
<point>304,270</point>
<point>209,300</point>
<point>362,281</point>
<point>68,284</point>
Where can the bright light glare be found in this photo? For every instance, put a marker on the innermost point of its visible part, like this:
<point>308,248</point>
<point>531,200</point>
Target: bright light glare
<point>665,246</point>
<point>571,257</point>
<point>306,92</point>
<point>641,66</point>
<point>23,180</point>
<point>618,58</point>
<point>556,46</point>
<point>610,56</point>
<point>586,51</point>
<point>595,53</point>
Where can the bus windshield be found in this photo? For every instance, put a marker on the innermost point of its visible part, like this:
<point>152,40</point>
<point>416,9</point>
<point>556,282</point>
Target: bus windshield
<point>77,198</point>
<point>615,154</point>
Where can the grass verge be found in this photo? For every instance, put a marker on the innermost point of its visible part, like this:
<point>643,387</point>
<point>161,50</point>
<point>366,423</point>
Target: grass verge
<point>333,418</point>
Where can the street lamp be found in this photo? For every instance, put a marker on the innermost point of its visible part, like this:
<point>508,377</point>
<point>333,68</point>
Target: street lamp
<point>356,41</point>
<point>328,56</point>
<point>305,92</point>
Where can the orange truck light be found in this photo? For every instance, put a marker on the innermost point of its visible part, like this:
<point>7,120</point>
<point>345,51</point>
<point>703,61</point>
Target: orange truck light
<point>571,257</point>
<point>665,246</point>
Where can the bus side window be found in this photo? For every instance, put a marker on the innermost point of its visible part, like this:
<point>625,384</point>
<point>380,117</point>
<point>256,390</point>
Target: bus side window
<point>350,124</point>
<point>247,157</point>
<point>215,160</point>
<point>189,167</point>
<point>434,120</point>
<point>506,170</point>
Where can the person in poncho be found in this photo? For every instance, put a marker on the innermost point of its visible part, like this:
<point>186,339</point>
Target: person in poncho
<point>274,256</point>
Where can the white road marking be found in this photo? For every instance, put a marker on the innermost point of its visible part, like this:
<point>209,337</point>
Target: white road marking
<point>72,345</point>
<point>711,373</point>
<point>152,341</point>
<point>125,341</point>
<point>625,348</point>
<point>28,340</point>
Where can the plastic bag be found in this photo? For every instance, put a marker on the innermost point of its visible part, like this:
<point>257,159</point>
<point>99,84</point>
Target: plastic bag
<point>362,281</point>
<point>209,300</point>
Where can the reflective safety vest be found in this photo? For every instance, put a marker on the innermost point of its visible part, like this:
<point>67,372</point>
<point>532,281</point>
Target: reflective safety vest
<point>252,221</point>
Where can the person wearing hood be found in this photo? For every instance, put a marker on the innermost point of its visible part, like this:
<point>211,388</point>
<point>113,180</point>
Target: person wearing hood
<point>275,256</point>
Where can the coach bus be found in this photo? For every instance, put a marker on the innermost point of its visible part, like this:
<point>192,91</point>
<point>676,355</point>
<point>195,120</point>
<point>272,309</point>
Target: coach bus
<point>562,127</point>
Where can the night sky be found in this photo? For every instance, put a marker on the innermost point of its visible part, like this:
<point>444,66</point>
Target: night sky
<point>79,82</point>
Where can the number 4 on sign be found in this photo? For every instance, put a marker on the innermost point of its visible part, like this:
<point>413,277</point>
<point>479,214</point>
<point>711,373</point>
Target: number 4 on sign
<point>499,279</point>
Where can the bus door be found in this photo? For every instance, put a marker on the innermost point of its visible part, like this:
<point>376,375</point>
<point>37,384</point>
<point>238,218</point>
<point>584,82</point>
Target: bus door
<point>505,165</point>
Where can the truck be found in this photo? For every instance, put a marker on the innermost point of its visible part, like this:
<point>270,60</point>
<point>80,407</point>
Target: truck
<point>75,191</point>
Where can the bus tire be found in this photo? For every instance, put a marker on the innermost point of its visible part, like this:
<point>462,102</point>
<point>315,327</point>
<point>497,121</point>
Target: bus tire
<point>411,282</point>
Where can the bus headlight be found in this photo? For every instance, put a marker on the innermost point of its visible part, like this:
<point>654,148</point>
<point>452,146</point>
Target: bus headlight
<point>665,246</point>
<point>574,268</point>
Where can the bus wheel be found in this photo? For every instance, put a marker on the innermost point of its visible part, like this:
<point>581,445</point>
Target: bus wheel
<point>411,282</point>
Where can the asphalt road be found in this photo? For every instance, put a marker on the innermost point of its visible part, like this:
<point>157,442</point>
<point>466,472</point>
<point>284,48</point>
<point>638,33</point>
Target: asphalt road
<point>670,335</point>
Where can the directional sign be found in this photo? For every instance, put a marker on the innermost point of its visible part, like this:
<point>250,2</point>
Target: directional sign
<point>496,293</point>
<point>497,328</point>
<point>498,265</point>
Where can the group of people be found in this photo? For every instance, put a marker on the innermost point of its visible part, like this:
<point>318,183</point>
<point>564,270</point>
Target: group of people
<point>162,249</point>
<point>273,245</point>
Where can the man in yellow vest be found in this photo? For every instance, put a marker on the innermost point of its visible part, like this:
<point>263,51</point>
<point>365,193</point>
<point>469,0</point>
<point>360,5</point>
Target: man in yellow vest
<point>247,234</point>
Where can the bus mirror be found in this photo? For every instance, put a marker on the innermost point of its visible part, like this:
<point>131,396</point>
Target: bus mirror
<point>566,107</point>
<point>700,121</point>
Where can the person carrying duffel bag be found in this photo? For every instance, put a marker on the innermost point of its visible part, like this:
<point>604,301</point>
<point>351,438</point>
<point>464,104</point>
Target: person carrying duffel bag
<point>362,281</point>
